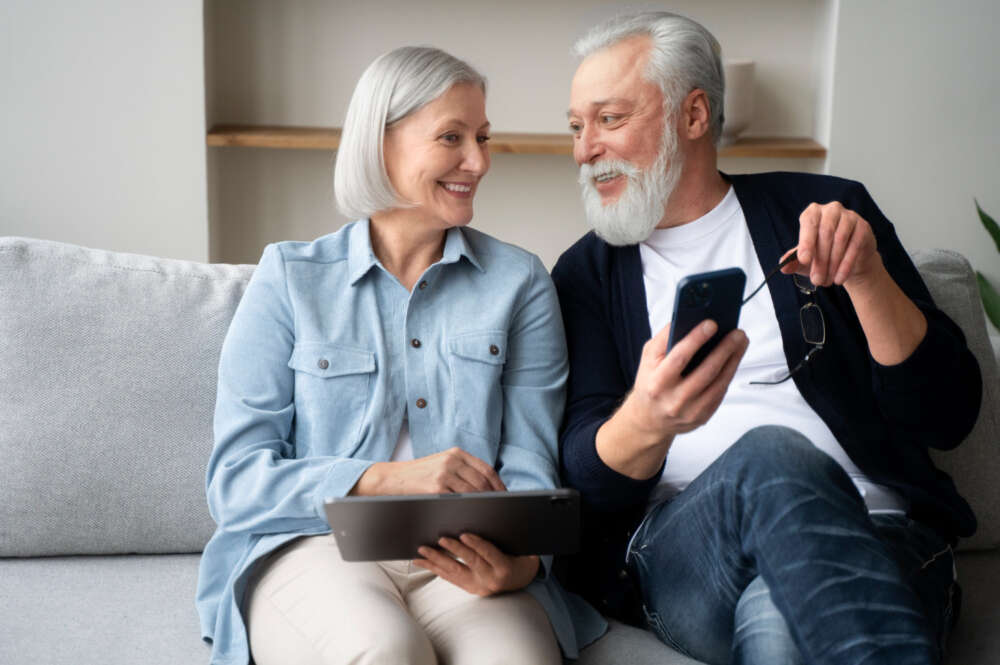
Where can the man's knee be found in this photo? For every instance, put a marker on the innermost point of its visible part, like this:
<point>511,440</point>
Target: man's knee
<point>774,450</point>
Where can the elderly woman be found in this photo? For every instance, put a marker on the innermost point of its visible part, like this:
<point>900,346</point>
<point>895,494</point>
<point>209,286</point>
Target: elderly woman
<point>403,354</point>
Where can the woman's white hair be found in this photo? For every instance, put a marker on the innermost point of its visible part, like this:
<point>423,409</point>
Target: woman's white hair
<point>684,56</point>
<point>395,85</point>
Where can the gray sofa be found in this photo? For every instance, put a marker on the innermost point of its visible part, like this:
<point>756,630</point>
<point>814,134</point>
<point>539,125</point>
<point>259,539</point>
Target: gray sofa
<point>107,380</point>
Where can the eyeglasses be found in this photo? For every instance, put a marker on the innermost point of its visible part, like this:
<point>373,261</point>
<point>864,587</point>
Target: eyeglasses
<point>810,318</point>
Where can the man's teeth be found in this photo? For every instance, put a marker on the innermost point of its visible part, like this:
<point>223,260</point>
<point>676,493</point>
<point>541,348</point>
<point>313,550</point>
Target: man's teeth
<point>453,187</point>
<point>604,177</point>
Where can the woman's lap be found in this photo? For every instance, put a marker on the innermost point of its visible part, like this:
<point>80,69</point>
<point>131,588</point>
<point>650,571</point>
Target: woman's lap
<point>307,606</point>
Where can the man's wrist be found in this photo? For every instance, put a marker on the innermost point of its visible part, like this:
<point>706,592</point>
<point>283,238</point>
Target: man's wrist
<point>643,435</point>
<point>629,449</point>
<point>870,283</point>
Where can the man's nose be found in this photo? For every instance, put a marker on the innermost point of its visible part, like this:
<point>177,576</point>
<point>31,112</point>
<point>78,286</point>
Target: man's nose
<point>587,145</point>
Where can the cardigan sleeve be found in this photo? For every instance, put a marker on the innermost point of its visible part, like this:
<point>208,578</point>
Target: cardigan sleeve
<point>596,386</point>
<point>934,395</point>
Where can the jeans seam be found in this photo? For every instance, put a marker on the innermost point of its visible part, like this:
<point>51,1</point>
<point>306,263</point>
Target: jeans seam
<point>656,625</point>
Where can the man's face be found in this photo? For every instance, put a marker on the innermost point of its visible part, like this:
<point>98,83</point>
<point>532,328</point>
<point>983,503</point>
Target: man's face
<point>614,112</point>
<point>629,163</point>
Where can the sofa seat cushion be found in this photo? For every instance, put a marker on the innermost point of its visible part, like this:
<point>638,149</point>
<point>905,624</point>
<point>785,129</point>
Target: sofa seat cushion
<point>635,646</point>
<point>113,610</point>
<point>140,609</point>
<point>976,640</point>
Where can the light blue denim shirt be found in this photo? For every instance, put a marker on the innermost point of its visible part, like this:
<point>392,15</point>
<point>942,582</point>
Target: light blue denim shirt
<point>318,370</point>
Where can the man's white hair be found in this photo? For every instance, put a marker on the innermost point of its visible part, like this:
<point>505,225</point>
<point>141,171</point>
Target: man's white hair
<point>684,56</point>
<point>395,85</point>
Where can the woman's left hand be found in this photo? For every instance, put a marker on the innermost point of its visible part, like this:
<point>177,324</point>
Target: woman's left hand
<point>477,566</point>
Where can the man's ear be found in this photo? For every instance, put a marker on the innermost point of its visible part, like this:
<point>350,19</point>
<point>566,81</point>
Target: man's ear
<point>696,115</point>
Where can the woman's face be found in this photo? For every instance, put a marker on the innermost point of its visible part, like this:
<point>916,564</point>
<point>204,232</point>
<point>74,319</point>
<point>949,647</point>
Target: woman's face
<point>436,156</point>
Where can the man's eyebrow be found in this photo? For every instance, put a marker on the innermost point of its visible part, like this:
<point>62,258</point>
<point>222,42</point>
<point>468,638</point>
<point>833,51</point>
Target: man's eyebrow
<point>602,102</point>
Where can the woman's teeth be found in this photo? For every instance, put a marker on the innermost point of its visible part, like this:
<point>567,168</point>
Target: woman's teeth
<point>452,187</point>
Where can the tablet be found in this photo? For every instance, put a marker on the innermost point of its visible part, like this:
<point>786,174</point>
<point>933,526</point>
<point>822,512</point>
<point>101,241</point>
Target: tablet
<point>378,528</point>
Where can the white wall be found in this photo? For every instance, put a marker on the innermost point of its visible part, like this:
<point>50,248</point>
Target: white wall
<point>916,106</point>
<point>102,124</point>
<point>296,63</point>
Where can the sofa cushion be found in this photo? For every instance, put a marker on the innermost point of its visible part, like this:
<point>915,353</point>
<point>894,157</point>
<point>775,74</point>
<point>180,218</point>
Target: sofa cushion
<point>139,609</point>
<point>108,365</point>
<point>974,465</point>
<point>112,610</point>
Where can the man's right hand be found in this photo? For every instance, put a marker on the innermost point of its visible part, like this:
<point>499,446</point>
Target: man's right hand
<point>662,403</point>
<point>452,470</point>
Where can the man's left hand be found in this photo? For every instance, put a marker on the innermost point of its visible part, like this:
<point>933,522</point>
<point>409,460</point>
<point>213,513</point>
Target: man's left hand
<point>836,246</point>
<point>477,566</point>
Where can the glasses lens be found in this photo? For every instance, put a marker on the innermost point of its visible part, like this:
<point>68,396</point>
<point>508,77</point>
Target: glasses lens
<point>803,283</point>
<point>813,326</point>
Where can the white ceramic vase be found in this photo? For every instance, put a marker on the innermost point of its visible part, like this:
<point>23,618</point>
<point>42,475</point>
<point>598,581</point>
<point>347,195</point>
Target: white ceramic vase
<point>738,106</point>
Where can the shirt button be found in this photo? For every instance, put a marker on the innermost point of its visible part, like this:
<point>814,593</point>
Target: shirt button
<point>415,343</point>
<point>323,363</point>
<point>422,285</point>
<point>494,349</point>
<point>421,403</point>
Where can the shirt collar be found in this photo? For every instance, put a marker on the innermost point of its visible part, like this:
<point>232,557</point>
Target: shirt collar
<point>361,257</point>
<point>456,246</point>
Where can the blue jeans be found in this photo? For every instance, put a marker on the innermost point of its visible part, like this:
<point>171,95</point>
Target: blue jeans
<point>770,557</point>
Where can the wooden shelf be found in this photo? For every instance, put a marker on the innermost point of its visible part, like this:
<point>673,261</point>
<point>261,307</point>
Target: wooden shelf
<point>320,138</point>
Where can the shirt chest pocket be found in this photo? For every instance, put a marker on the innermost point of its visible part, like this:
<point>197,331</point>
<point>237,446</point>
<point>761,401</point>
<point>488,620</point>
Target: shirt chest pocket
<point>476,363</point>
<point>332,384</point>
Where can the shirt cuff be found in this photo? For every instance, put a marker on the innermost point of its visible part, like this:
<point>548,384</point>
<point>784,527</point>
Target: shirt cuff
<point>343,475</point>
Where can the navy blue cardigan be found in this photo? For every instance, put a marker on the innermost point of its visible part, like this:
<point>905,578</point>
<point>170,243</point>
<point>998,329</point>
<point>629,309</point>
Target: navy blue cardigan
<point>885,417</point>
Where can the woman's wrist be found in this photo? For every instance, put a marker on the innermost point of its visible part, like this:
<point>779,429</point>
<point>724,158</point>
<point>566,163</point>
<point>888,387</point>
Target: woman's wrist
<point>371,481</point>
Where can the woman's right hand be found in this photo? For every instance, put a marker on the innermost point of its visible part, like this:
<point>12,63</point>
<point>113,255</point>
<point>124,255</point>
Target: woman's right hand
<point>452,470</point>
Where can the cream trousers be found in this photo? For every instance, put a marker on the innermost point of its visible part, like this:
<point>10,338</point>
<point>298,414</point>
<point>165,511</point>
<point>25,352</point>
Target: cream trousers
<point>306,606</point>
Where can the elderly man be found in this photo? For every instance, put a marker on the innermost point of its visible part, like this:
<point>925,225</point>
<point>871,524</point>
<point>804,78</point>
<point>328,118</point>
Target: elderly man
<point>761,519</point>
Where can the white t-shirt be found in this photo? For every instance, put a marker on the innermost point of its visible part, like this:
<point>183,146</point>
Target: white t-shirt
<point>721,239</point>
<point>404,444</point>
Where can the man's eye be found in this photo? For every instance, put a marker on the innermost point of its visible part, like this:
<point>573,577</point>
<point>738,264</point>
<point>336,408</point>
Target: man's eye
<point>575,127</point>
<point>608,119</point>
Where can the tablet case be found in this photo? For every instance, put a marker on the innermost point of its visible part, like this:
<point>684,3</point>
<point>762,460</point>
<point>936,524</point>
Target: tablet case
<point>379,528</point>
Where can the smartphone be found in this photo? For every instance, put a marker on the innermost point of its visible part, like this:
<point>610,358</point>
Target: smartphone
<point>716,295</point>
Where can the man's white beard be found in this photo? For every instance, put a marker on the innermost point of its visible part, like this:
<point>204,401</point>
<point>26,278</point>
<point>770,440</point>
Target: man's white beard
<point>641,206</point>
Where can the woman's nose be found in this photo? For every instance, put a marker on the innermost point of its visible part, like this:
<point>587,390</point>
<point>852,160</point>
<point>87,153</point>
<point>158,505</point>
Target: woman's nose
<point>476,159</point>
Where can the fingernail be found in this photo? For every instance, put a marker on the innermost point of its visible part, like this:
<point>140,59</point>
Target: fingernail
<point>708,327</point>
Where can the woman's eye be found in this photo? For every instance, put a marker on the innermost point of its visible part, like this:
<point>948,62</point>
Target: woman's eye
<point>482,139</point>
<point>450,138</point>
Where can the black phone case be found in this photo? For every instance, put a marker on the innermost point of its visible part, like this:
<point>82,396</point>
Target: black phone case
<point>716,295</point>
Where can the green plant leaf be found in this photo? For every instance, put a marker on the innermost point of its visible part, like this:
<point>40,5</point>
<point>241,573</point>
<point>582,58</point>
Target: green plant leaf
<point>991,300</point>
<point>989,224</point>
